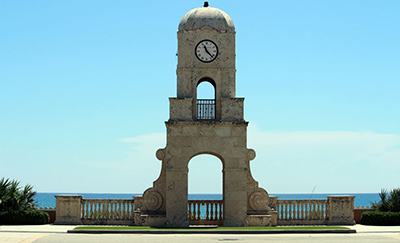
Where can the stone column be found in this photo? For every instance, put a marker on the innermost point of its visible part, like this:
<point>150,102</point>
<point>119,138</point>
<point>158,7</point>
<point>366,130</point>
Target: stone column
<point>235,197</point>
<point>68,209</point>
<point>341,210</point>
<point>177,198</point>
<point>273,204</point>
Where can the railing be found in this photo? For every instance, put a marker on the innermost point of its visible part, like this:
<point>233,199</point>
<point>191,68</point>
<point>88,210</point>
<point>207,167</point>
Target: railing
<point>302,211</point>
<point>205,212</point>
<point>205,109</point>
<point>103,210</point>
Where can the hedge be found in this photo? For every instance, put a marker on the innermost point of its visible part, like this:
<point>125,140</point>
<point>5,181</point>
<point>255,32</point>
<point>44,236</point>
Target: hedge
<point>380,218</point>
<point>24,217</point>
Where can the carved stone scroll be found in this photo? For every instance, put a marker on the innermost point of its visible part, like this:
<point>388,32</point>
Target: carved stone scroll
<point>251,154</point>
<point>258,200</point>
<point>160,154</point>
<point>152,199</point>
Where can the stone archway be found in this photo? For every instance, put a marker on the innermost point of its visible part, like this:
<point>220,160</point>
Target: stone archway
<point>205,208</point>
<point>205,175</point>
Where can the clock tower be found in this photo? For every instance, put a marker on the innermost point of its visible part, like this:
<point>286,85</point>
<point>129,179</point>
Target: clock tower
<point>206,53</point>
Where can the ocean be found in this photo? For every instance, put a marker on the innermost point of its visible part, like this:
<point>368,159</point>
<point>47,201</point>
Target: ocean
<point>48,200</point>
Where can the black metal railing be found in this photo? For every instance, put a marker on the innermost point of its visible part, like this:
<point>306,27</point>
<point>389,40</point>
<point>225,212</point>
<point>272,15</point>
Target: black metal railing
<point>205,109</point>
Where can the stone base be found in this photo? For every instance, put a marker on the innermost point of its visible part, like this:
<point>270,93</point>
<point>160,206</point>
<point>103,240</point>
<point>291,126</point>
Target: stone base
<point>107,222</point>
<point>67,222</point>
<point>177,224</point>
<point>259,220</point>
<point>153,220</point>
<point>342,222</point>
<point>229,223</point>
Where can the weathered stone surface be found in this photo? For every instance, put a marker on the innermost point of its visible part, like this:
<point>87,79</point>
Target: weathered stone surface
<point>153,220</point>
<point>181,109</point>
<point>68,209</point>
<point>152,200</point>
<point>206,16</point>
<point>259,220</point>
<point>341,210</point>
<point>224,136</point>
<point>232,109</point>
<point>258,200</point>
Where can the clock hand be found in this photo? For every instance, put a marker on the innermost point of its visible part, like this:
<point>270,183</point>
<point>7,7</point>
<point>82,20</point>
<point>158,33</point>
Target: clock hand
<point>205,48</point>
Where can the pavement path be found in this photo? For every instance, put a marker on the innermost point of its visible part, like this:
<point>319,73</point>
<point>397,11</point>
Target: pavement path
<point>57,233</point>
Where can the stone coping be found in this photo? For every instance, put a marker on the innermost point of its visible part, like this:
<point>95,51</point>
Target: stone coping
<point>188,231</point>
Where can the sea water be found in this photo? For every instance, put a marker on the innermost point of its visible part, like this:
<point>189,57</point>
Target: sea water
<point>48,199</point>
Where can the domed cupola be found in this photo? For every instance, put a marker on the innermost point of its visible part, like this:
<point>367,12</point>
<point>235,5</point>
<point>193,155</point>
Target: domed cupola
<point>206,16</point>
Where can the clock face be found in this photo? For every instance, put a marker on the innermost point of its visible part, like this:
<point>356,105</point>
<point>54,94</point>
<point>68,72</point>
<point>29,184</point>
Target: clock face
<point>206,51</point>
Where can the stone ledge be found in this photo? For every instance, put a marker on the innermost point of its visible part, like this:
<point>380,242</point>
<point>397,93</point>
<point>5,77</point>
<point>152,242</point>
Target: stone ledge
<point>249,231</point>
<point>205,123</point>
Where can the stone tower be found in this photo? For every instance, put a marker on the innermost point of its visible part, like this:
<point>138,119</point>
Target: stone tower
<point>206,53</point>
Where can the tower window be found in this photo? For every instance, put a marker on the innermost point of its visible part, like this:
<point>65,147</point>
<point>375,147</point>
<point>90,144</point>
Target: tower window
<point>205,109</point>
<point>206,100</point>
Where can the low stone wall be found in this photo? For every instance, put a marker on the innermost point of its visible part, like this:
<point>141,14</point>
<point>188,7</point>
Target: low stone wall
<point>74,210</point>
<point>50,211</point>
<point>359,211</point>
<point>335,210</point>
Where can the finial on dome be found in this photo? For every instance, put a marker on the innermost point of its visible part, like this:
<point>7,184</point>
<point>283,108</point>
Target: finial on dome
<point>205,4</point>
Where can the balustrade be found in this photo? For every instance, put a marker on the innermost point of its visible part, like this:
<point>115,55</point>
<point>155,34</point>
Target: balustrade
<point>205,109</point>
<point>202,212</point>
<point>107,209</point>
<point>302,211</point>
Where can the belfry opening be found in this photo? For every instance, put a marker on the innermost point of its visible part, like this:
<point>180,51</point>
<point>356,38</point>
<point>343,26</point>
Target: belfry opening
<point>205,99</point>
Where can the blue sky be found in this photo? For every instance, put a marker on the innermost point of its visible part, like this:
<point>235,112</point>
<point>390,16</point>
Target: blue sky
<point>84,89</point>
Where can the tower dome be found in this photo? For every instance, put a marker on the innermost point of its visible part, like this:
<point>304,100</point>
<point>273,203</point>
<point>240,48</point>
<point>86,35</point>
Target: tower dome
<point>206,16</point>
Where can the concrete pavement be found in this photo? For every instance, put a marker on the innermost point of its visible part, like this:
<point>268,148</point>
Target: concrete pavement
<point>30,233</point>
<point>57,233</point>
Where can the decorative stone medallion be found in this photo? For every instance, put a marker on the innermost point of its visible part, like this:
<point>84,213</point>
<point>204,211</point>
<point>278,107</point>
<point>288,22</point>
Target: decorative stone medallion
<point>160,154</point>
<point>258,200</point>
<point>152,200</point>
<point>251,154</point>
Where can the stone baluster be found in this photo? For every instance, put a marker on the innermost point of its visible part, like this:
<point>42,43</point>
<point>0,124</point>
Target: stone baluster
<point>83,209</point>
<point>207,210</point>
<point>212,211</point>
<point>97,212</point>
<point>319,210</point>
<point>194,211</point>
<point>190,210</point>
<point>302,210</point>
<point>121,210</point>
<point>220,210</point>
<point>198,211</point>
<point>285,212</point>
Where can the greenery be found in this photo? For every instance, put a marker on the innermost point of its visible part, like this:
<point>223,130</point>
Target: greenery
<point>17,204</point>
<point>390,202</point>
<point>211,228</point>
<point>387,210</point>
<point>380,218</point>
<point>24,217</point>
<point>15,198</point>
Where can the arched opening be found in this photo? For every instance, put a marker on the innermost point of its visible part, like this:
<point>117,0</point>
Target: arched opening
<point>205,190</point>
<point>205,96</point>
<point>205,177</point>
